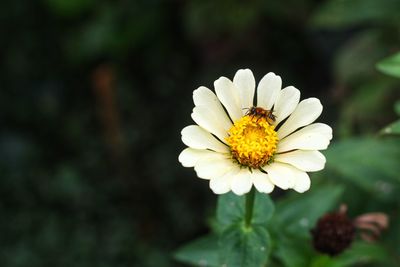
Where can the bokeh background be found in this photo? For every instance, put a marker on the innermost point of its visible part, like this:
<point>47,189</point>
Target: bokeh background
<point>93,95</point>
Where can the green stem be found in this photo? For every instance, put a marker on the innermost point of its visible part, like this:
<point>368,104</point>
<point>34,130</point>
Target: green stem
<point>249,207</point>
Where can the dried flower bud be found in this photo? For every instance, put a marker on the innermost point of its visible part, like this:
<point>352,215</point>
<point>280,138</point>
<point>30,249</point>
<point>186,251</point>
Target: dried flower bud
<point>333,233</point>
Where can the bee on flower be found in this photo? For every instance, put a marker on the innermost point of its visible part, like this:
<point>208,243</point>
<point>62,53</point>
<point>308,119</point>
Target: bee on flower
<point>237,143</point>
<point>260,112</point>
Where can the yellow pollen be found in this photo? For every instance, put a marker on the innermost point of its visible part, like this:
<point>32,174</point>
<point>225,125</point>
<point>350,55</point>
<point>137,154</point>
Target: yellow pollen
<point>252,141</point>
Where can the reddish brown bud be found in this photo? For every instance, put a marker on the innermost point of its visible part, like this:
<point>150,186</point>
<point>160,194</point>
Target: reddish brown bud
<point>333,233</point>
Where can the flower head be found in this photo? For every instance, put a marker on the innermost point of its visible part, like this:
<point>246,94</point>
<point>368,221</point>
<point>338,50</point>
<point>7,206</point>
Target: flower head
<point>238,143</point>
<point>333,233</point>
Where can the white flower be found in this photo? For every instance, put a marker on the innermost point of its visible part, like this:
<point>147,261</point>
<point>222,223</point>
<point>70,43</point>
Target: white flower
<point>237,144</point>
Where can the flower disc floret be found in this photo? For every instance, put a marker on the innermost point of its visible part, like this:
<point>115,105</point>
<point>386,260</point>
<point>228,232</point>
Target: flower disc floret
<point>252,141</point>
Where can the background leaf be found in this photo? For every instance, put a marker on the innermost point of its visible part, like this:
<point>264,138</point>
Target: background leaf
<point>200,252</point>
<point>393,128</point>
<point>370,163</point>
<point>294,217</point>
<point>397,107</point>
<point>358,252</point>
<point>299,212</point>
<point>293,251</point>
<point>390,65</point>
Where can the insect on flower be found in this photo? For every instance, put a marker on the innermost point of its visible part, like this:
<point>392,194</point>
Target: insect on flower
<point>262,113</point>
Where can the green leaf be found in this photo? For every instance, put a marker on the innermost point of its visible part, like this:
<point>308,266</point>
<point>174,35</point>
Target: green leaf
<point>393,128</point>
<point>397,107</point>
<point>365,106</point>
<point>201,252</point>
<point>359,252</point>
<point>293,252</point>
<point>370,163</point>
<point>243,247</point>
<point>335,14</point>
<point>321,261</point>
<point>231,209</point>
<point>390,65</point>
<point>240,245</point>
<point>263,208</point>
<point>298,213</point>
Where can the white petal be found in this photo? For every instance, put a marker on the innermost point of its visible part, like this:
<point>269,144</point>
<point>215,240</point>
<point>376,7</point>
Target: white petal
<point>189,156</point>
<point>241,182</point>
<point>306,112</point>
<point>303,182</point>
<point>222,184</point>
<point>196,137</point>
<point>207,120</point>
<point>211,168</point>
<point>203,96</point>
<point>281,174</point>
<point>245,83</point>
<point>321,128</point>
<point>229,97</point>
<point>261,181</point>
<point>268,90</point>
<point>312,137</point>
<point>305,160</point>
<point>286,102</point>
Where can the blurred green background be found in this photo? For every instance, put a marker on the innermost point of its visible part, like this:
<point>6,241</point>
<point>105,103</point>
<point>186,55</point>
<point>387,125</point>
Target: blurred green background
<point>93,95</point>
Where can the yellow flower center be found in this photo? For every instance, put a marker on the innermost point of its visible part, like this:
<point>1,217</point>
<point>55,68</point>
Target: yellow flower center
<point>252,141</point>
